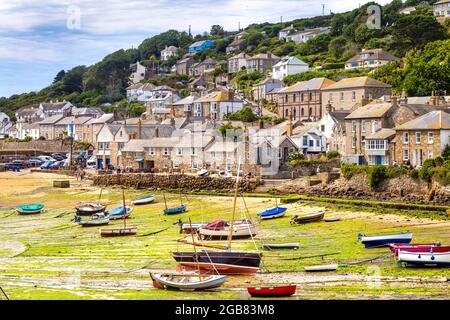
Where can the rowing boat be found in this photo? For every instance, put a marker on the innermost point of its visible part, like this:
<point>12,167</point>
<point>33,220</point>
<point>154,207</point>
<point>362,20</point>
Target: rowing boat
<point>98,219</point>
<point>424,259</point>
<point>220,229</point>
<point>409,246</point>
<point>144,200</point>
<point>127,231</point>
<point>313,217</point>
<point>384,240</point>
<point>278,291</point>
<point>186,281</point>
<point>321,268</point>
<point>89,208</point>
<point>30,208</point>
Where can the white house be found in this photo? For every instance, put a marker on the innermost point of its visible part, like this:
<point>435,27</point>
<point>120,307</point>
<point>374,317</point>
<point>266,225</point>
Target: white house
<point>332,126</point>
<point>287,66</point>
<point>307,34</point>
<point>168,52</point>
<point>140,92</point>
<point>5,123</point>
<point>139,72</point>
<point>309,138</point>
<point>24,130</point>
<point>442,8</point>
<point>285,31</point>
<point>51,108</point>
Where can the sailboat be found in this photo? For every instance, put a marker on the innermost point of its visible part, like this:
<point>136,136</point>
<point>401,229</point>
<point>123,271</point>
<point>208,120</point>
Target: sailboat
<point>90,208</point>
<point>124,231</point>
<point>227,262</point>
<point>181,208</point>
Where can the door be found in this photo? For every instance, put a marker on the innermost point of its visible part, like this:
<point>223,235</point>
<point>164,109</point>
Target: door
<point>378,160</point>
<point>100,164</point>
<point>285,153</point>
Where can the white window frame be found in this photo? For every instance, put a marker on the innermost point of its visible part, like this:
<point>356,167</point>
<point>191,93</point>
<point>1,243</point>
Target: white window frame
<point>430,137</point>
<point>363,125</point>
<point>353,142</point>
<point>405,155</point>
<point>417,137</point>
<point>179,151</point>
<point>193,151</point>
<point>152,151</point>
<point>405,137</point>
<point>166,151</point>
<point>353,126</point>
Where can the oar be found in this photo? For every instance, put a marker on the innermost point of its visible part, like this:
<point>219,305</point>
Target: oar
<point>4,293</point>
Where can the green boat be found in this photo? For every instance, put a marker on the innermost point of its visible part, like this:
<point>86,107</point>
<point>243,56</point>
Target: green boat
<point>30,208</point>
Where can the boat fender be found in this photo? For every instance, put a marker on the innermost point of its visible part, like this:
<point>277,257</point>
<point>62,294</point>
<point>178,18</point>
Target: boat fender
<point>77,219</point>
<point>432,258</point>
<point>360,235</point>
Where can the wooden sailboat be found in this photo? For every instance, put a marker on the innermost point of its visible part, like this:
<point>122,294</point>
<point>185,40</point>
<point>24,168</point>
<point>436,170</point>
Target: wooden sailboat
<point>124,231</point>
<point>90,208</point>
<point>187,281</point>
<point>228,262</point>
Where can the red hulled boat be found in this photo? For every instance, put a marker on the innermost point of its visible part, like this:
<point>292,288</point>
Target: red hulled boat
<point>421,247</point>
<point>279,291</point>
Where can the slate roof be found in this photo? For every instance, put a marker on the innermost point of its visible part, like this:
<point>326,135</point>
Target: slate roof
<point>313,84</point>
<point>373,54</point>
<point>371,110</point>
<point>357,83</point>
<point>433,120</point>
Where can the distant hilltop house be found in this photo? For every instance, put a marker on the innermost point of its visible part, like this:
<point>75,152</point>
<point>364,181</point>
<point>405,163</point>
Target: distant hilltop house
<point>139,72</point>
<point>442,8</point>
<point>372,58</point>
<point>262,88</point>
<point>168,52</point>
<point>236,45</point>
<point>261,62</point>
<point>307,34</point>
<point>407,10</point>
<point>199,68</point>
<point>44,110</point>
<point>215,105</point>
<point>238,62</point>
<point>201,45</point>
<point>285,32</point>
<point>288,66</point>
<point>183,65</point>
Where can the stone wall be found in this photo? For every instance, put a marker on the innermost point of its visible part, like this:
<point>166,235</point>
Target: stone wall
<point>310,168</point>
<point>47,146</point>
<point>175,182</point>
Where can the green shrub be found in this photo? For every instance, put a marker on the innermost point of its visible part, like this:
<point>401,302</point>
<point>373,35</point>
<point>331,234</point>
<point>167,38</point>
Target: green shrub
<point>441,175</point>
<point>446,151</point>
<point>413,173</point>
<point>425,173</point>
<point>350,170</point>
<point>332,154</point>
<point>295,156</point>
<point>377,175</point>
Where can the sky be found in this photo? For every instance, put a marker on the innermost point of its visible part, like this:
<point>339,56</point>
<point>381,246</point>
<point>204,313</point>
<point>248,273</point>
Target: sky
<point>38,38</point>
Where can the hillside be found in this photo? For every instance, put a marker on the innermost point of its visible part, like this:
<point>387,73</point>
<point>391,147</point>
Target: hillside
<point>417,38</point>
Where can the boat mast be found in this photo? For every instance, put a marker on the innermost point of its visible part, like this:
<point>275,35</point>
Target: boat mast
<point>124,209</point>
<point>230,237</point>
<point>195,249</point>
<point>165,202</point>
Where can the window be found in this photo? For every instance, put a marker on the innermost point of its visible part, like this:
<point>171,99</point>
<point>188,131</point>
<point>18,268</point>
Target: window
<point>269,151</point>
<point>353,142</point>
<point>317,143</point>
<point>305,140</point>
<point>430,154</point>
<point>363,126</point>
<point>166,151</point>
<point>342,96</point>
<point>376,144</point>
<point>194,164</point>
<point>302,97</point>
<point>417,137</point>
<point>353,126</point>
<point>121,145</point>
<point>152,151</point>
<point>430,137</point>
<point>106,146</point>
<point>405,137</point>
<point>176,164</point>
<point>310,96</point>
<point>322,128</point>
<point>405,154</point>
<point>193,152</point>
<point>311,143</point>
<point>179,151</point>
<point>213,154</point>
<point>330,97</point>
<point>353,95</point>
<point>294,97</point>
<point>100,146</point>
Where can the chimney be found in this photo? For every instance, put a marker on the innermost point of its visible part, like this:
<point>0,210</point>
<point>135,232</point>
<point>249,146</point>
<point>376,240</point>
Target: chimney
<point>156,132</point>
<point>273,121</point>
<point>289,125</point>
<point>261,124</point>
<point>139,129</point>
<point>394,101</point>
<point>363,101</point>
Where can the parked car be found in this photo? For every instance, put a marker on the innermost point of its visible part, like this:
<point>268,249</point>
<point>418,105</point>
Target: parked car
<point>12,166</point>
<point>46,158</point>
<point>34,162</point>
<point>20,163</point>
<point>56,165</point>
<point>47,164</point>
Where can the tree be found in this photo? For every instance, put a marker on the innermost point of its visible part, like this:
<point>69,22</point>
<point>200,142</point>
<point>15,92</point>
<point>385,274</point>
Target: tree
<point>428,69</point>
<point>337,25</point>
<point>414,31</point>
<point>391,73</point>
<point>315,45</point>
<point>217,30</point>
<point>336,47</point>
<point>254,38</point>
<point>59,76</point>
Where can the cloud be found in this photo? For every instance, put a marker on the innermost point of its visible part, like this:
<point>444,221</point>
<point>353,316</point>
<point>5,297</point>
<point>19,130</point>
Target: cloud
<point>41,37</point>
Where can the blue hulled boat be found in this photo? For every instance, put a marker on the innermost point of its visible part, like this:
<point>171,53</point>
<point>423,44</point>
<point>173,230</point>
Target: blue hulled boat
<point>273,213</point>
<point>385,240</point>
<point>179,209</point>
